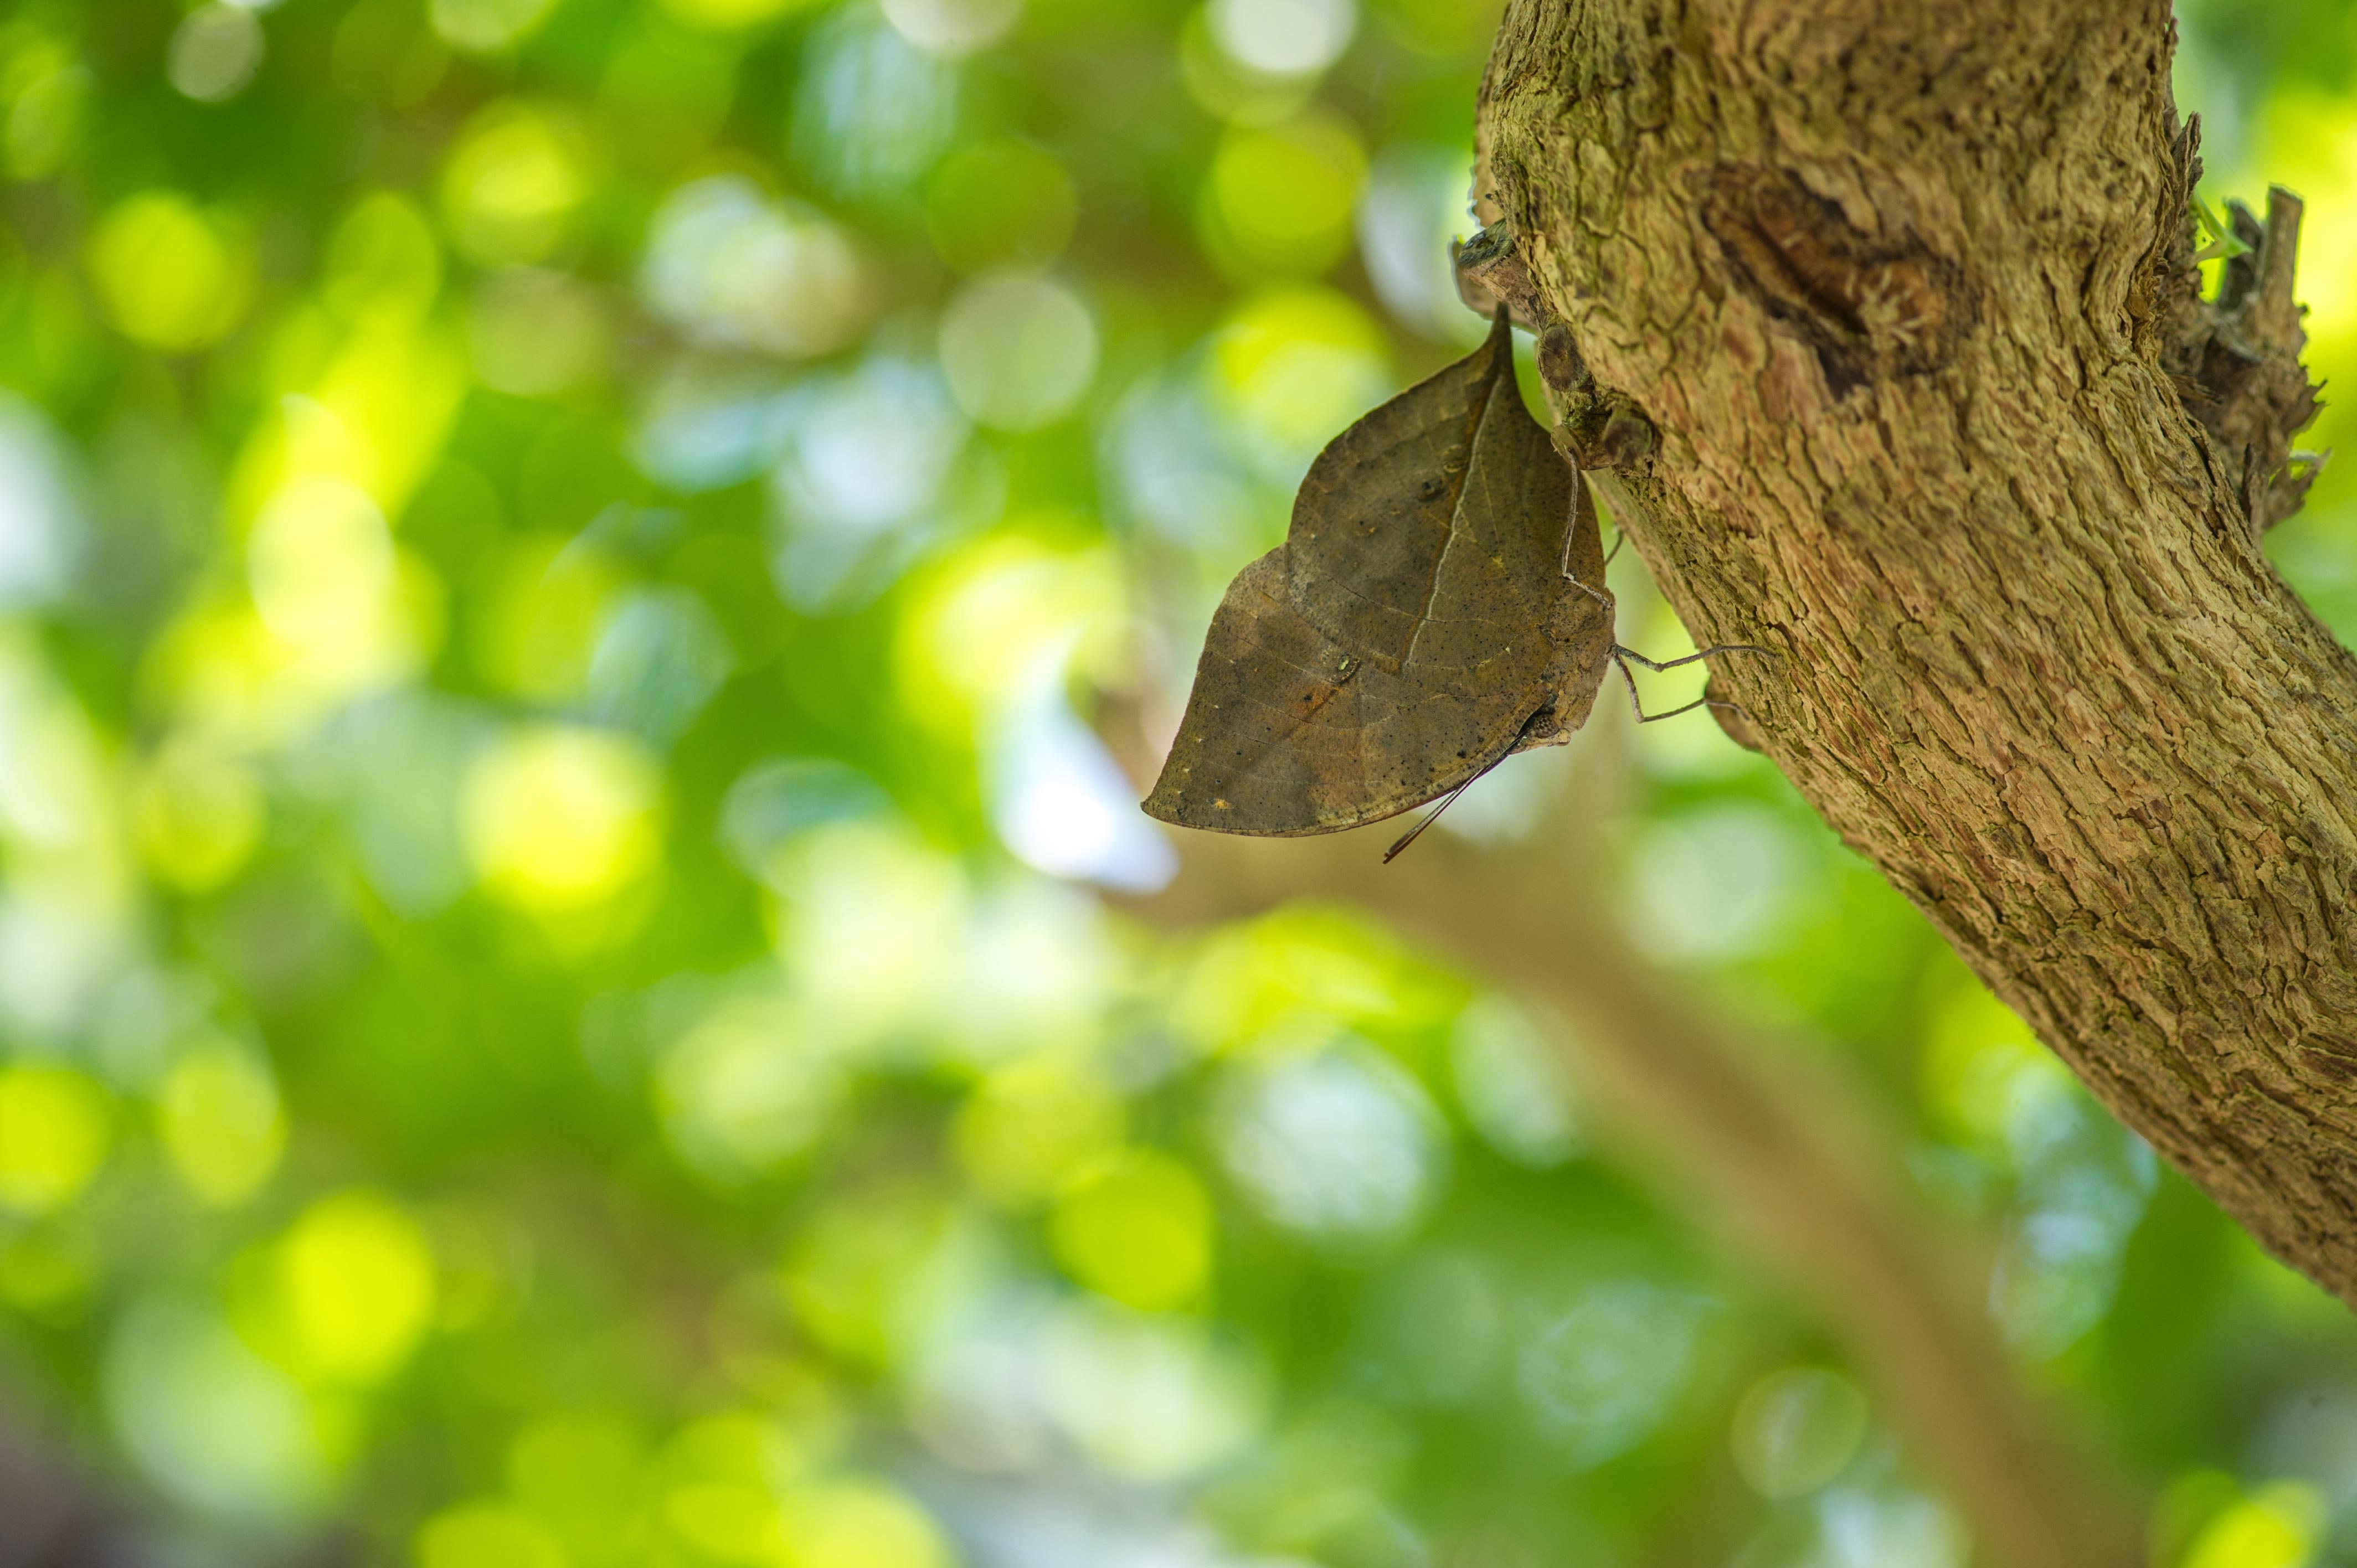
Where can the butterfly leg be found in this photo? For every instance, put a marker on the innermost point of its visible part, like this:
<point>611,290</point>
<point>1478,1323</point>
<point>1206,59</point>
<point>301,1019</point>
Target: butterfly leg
<point>1638,707</point>
<point>1622,656</point>
<point>1620,653</point>
<point>1573,578</point>
<point>1619,539</point>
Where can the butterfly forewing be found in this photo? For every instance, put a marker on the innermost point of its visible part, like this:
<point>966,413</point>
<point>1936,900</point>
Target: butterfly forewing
<point>1376,512</point>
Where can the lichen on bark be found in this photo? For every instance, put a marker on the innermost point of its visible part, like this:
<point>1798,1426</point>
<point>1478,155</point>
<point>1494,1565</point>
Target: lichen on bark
<point>1908,297</point>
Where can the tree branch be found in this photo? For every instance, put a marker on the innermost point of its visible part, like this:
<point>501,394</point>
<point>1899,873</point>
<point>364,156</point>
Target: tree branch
<point>1906,293</point>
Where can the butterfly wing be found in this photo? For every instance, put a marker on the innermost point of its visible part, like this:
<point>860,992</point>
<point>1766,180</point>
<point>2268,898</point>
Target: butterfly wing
<point>1402,636</point>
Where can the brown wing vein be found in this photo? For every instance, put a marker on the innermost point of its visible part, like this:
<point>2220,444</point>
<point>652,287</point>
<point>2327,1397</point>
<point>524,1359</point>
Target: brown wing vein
<point>1474,416</point>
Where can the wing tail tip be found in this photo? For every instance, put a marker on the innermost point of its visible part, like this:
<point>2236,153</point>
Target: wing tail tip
<point>1178,809</point>
<point>1181,808</point>
<point>1163,808</point>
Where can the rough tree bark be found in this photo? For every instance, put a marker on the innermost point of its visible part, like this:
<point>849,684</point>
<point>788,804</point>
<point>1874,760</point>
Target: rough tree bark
<point>1907,294</point>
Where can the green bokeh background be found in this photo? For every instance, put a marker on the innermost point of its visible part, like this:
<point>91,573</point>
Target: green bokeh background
<point>576,579</point>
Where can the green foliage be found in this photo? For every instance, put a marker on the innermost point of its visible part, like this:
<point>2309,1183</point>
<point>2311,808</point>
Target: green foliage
<point>559,559</point>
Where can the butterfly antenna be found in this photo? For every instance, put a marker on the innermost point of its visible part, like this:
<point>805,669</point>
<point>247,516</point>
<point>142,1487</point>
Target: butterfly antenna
<point>1417,832</point>
<point>1446,800</point>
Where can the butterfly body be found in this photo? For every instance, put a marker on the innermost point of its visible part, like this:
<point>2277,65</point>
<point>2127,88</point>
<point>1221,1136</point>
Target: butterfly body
<point>1420,622</point>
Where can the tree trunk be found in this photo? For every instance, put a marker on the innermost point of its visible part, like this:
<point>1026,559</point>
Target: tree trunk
<point>1906,294</point>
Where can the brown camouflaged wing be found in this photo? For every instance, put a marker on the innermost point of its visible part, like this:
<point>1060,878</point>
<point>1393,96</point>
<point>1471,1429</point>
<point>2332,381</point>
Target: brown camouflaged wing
<point>1414,627</point>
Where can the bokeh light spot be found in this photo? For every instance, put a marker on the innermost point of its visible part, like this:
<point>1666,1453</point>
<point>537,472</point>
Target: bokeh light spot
<point>582,1470</point>
<point>732,16</point>
<point>751,1450</point>
<point>214,53</point>
<point>1019,350</point>
<point>1229,90</point>
<point>1441,28</point>
<point>862,1525</point>
<point>52,92</point>
<point>1296,365</point>
<point>747,1087</point>
<point>661,655</point>
<point>512,185</point>
<point>41,520</point>
<point>1279,198</point>
<point>562,817</point>
<point>198,811</point>
<point>730,1522</point>
<point>550,596</point>
<point>869,478</point>
<point>1153,1399</point>
<point>533,333</point>
<point>173,276</point>
<point>996,616</point>
<point>216,1427</point>
<point>356,1286</point>
<point>1339,1145</point>
<point>872,111</point>
<point>1601,1375</point>
<point>1796,1430</point>
<point>853,1267</point>
<point>1513,1087</point>
<point>218,1115</point>
<point>952,27</point>
<point>1717,883</point>
<point>55,1126</point>
<point>320,563</point>
<point>1060,802</point>
<point>1284,37</point>
<point>1027,1127</point>
<point>49,1272</point>
<point>487,1535</point>
<point>1000,204</point>
<point>486,27</point>
<point>383,257</point>
<point>1437,1325</point>
<point>856,900</point>
<point>1985,1079</point>
<point>1138,1229</point>
<point>2278,1526</point>
<point>1413,205</point>
<point>1265,984</point>
<point>341,610</point>
<point>735,268</point>
<point>774,803</point>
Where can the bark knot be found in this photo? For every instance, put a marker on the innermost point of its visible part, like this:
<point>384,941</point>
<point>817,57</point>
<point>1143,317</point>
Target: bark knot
<point>1871,307</point>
